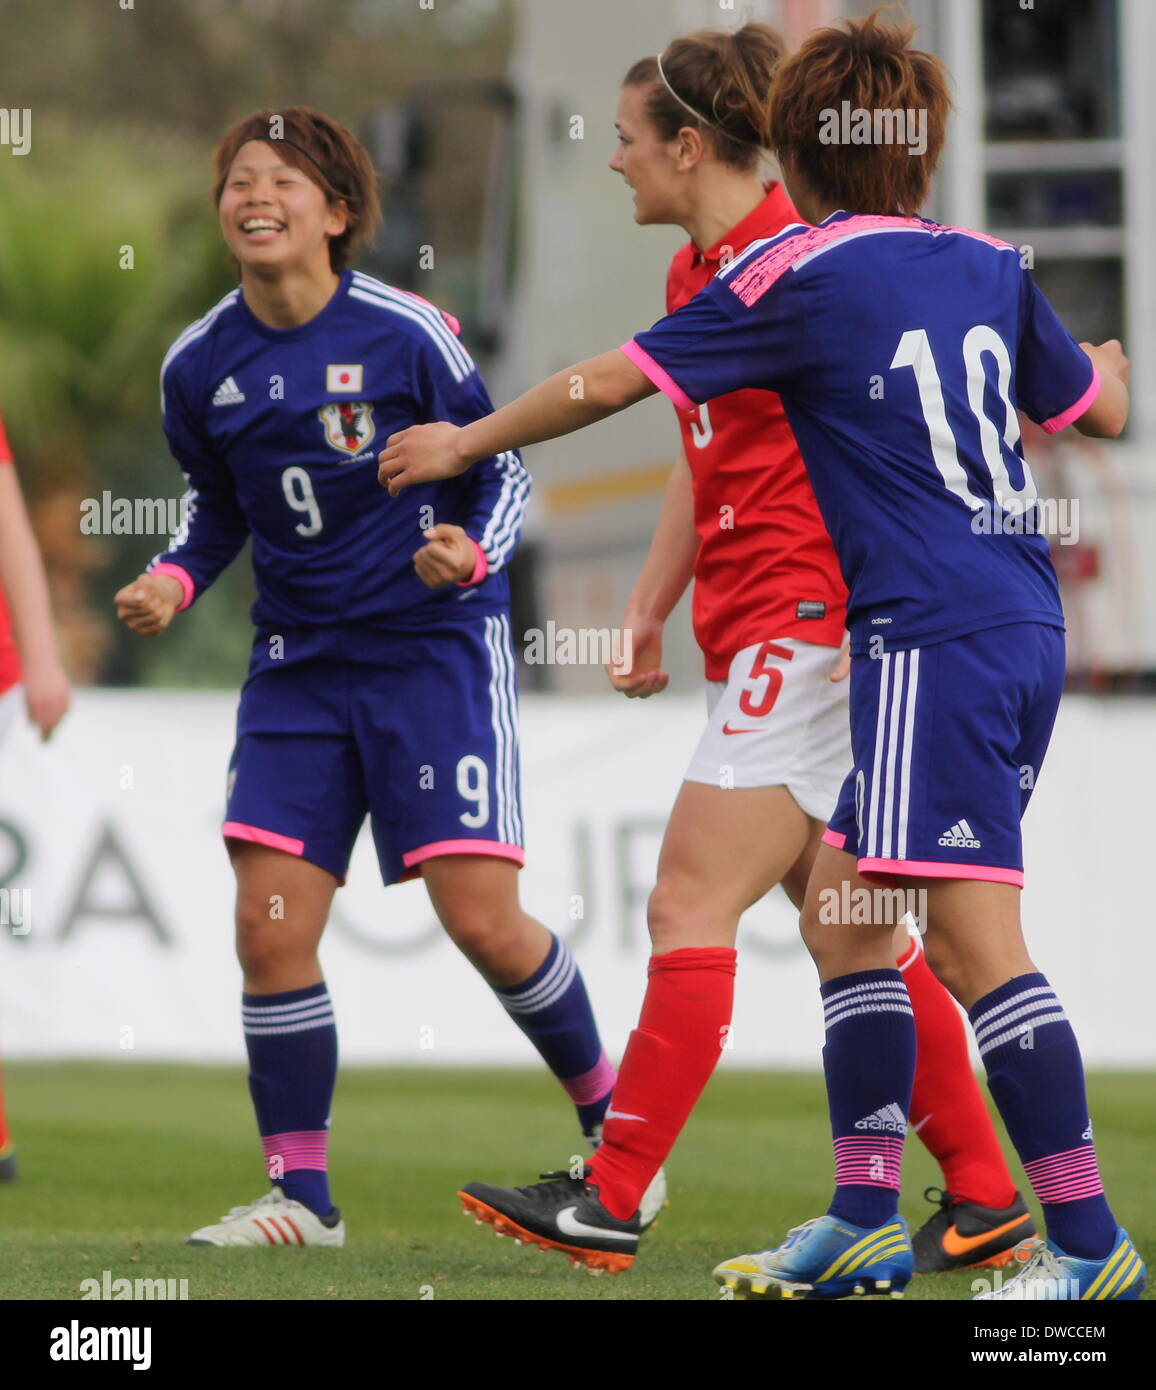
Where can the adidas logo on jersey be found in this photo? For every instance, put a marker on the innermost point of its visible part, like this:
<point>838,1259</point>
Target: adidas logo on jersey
<point>228,393</point>
<point>960,836</point>
<point>890,1118</point>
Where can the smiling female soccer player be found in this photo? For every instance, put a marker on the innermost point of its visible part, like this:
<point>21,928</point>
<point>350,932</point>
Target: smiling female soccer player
<point>901,351</point>
<point>382,675</point>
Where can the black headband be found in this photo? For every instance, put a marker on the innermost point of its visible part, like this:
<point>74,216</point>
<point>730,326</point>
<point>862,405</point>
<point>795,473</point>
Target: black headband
<point>284,140</point>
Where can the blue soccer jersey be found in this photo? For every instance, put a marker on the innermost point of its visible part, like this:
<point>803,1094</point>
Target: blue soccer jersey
<point>278,431</point>
<point>901,350</point>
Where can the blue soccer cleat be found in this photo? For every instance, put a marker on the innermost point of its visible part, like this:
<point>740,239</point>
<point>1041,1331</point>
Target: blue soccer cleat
<point>1050,1274</point>
<point>825,1258</point>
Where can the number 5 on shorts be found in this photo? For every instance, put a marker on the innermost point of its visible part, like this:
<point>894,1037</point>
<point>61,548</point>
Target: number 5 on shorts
<point>761,669</point>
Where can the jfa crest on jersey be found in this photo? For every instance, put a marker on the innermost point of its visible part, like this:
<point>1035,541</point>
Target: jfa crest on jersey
<point>348,425</point>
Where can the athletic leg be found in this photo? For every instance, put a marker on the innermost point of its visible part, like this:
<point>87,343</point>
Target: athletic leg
<point>947,1109</point>
<point>530,969</point>
<point>975,945</point>
<point>723,850</point>
<point>869,1056</point>
<point>282,906</point>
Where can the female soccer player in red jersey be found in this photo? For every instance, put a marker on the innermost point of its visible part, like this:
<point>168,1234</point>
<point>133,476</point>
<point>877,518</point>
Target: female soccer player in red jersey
<point>382,675</point>
<point>901,351</point>
<point>30,665</point>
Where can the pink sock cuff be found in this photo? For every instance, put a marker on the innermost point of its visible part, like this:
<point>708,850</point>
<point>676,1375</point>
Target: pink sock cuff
<point>868,1162</point>
<point>302,1148</point>
<point>592,1085</point>
<point>1065,1177</point>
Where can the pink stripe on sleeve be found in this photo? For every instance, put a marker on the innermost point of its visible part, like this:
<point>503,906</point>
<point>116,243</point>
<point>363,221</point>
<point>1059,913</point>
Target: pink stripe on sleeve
<point>1073,412</point>
<point>183,577</point>
<point>658,375</point>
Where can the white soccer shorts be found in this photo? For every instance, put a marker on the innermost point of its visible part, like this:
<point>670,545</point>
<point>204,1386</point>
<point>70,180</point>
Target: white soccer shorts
<point>777,721</point>
<point>9,707</point>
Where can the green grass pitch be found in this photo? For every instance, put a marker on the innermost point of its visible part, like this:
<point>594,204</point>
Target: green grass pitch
<point>121,1161</point>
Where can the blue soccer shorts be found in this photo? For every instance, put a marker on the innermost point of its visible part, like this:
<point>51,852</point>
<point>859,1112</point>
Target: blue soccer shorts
<point>948,741</point>
<point>419,730</point>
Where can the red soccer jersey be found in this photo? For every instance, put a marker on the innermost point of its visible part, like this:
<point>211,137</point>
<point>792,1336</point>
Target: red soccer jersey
<point>765,567</point>
<point>9,656</point>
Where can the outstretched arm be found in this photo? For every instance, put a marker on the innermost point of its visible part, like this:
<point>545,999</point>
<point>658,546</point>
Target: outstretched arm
<point>569,400</point>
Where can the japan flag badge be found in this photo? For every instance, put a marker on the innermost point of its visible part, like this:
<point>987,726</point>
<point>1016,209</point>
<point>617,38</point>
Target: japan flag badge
<point>344,380</point>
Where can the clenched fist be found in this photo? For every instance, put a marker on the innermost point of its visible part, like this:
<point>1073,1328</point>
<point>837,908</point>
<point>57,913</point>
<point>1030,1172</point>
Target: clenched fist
<point>147,605</point>
<point>448,557</point>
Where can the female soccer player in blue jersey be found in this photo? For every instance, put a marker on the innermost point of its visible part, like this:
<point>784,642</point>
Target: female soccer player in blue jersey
<point>901,351</point>
<point>382,675</point>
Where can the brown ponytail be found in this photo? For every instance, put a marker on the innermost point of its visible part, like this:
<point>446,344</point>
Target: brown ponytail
<point>717,83</point>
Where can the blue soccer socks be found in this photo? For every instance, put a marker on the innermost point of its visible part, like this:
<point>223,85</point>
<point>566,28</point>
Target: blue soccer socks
<point>292,1044</point>
<point>553,1009</point>
<point>869,1064</point>
<point>1036,1078</point>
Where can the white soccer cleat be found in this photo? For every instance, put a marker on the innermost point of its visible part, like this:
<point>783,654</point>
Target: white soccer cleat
<point>653,1200</point>
<point>272,1220</point>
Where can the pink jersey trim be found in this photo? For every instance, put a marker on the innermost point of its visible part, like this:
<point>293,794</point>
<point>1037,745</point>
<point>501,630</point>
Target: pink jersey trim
<point>752,282</point>
<point>481,567</point>
<point>440,847</point>
<point>234,830</point>
<point>833,838</point>
<point>920,868</point>
<point>183,577</point>
<point>592,1085</point>
<point>660,378</point>
<point>1073,412</point>
<point>451,322</point>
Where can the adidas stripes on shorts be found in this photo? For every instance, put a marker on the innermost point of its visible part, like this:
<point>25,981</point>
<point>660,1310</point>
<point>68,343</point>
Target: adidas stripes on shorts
<point>948,741</point>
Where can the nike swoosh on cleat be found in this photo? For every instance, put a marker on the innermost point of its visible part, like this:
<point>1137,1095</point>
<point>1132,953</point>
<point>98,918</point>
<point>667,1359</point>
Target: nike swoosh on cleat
<point>569,1225</point>
<point>613,1114</point>
<point>960,1245</point>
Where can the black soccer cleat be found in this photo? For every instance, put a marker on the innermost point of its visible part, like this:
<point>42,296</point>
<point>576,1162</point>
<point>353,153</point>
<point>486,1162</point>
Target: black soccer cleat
<point>964,1235</point>
<point>8,1166</point>
<point>559,1213</point>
